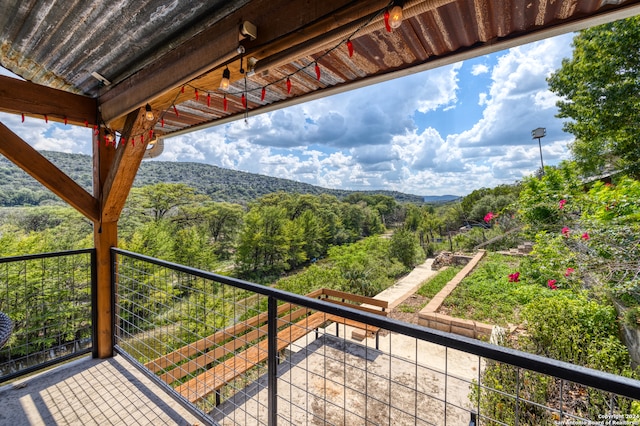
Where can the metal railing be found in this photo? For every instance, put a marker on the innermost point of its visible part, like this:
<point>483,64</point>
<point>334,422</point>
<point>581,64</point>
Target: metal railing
<point>251,354</point>
<point>48,297</point>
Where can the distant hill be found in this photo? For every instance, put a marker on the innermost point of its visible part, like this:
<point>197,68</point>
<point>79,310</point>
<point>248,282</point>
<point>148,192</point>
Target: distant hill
<point>18,188</point>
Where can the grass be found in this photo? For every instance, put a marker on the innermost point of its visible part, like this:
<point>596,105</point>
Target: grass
<point>433,285</point>
<point>486,295</point>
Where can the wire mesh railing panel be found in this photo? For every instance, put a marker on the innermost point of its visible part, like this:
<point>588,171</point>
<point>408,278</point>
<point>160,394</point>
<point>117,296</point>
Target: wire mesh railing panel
<point>48,298</point>
<point>248,354</point>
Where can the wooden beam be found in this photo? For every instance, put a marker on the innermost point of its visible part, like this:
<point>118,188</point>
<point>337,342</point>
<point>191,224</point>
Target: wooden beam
<point>105,236</point>
<point>31,161</point>
<point>125,166</point>
<point>24,97</point>
<point>212,49</point>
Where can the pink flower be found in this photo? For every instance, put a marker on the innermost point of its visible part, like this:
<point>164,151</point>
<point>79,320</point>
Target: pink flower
<point>489,216</point>
<point>515,277</point>
<point>569,272</point>
<point>552,284</point>
<point>565,231</point>
<point>562,203</point>
<point>585,236</point>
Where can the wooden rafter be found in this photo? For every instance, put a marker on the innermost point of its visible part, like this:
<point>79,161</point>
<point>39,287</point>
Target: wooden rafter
<point>217,45</point>
<point>24,97</point>
<point>32,162</point>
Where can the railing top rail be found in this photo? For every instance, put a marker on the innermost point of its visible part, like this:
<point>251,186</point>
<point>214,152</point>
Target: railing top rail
<point>45,255</point>
<point>604,381</point>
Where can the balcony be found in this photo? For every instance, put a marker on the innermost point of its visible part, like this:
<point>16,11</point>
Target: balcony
<point>198,348</point>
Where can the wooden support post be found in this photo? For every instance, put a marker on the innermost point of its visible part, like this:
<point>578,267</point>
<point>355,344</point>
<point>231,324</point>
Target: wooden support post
<point>113,173</point>
<point>105,235</point>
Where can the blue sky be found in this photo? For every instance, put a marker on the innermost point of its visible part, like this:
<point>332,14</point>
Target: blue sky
<point>445,131</point>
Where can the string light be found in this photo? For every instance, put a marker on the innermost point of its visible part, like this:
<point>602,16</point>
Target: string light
<point>392,19</point>
<point>224,83</point>
<point>148,113</point>
<point>395,16</point>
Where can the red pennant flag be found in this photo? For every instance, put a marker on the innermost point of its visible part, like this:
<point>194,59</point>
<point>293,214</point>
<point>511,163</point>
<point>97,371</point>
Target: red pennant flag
<point>208,99</point>
<point>197,95</point>
<point>182,89</point>
<point>162,122</point>
<point>23,117</point>
<point>150,134</point>
<point>264,93</point>
<point>176,110</point>
<point>65,121</point>
<point>86,123</point>
<point>244,101</point>
<point>133,141</point>
<point>350,47</point>
<point>224,102</point>
<point>288,85</point>
<point>386,21</point>
<point>318,71</point>
<point>46,119</point>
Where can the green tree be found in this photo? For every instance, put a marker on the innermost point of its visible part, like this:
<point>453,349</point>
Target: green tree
<point>599,89</point>
<point>405,247</point>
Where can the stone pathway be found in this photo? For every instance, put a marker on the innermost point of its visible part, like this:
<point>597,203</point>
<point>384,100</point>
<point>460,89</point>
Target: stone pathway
<point>408,285</point>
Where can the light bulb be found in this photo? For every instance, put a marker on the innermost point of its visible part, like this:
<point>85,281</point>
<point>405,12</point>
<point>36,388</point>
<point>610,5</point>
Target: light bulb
<point>224,83</point>
<point>395,16</point>
<point>148,114</point>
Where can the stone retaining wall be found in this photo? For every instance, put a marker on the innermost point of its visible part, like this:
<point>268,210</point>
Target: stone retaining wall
<point>429,317</point>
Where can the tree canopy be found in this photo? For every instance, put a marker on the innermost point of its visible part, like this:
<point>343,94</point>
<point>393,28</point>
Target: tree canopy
<point>600,88</point>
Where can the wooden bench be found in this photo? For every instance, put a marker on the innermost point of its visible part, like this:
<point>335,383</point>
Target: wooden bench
<point>363,303</point>
<point>234,350</point>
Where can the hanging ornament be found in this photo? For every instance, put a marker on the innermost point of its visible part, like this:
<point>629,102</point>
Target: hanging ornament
<point>350,47</point>
<point>86,123</point>
<point>386,21</point>
<point>182,89</point>
<point>46,119</point>
<point>65,120</point>
<point>263,94</point>
<point>197,95</point>
<point>225,104</point>
<point>208,99</point>
<point>23,117</point>
<point>243,98</point>
<point>150,134</point>
<point>175,110</point>
<point>318,71</point>
<point>288,85</point>
<point>141,138</point>
<point>162,122</point>
<point>133,141</point>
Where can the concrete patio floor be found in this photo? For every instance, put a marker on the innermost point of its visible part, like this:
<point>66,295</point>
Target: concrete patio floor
<point>90,392</point>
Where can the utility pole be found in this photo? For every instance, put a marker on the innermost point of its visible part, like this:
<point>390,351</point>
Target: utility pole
<point>539,133</point>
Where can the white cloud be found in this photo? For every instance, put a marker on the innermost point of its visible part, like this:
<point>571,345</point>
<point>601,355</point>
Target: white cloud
<point>479,69</point>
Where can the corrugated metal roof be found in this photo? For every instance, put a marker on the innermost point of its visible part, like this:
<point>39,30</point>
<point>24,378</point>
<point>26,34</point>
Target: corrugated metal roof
<point>61,43</point>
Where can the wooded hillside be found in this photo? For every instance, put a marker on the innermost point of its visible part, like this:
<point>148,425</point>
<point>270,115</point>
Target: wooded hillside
<point>19,189</point>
